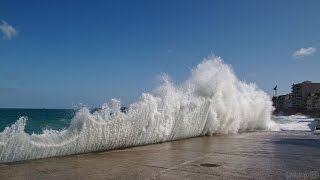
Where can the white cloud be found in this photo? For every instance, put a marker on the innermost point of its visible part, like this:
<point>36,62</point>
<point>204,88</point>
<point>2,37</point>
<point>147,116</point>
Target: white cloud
<point>7,30</point>
<point>170,51</point>
<point>304,52</point>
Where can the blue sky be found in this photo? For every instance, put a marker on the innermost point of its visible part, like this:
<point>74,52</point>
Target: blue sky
<point>56,54</point>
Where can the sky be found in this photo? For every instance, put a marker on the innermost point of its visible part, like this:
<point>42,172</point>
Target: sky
<point>57,54</point>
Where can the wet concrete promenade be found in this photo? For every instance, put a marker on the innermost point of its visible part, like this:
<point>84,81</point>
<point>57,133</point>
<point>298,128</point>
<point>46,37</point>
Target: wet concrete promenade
<point>255,155</point>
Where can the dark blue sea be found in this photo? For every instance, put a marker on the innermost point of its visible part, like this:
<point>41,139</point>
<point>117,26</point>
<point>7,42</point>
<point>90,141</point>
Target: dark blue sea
<point>38,119</point>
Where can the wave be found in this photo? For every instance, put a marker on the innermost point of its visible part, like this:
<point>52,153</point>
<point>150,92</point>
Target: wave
<point>295,123</point>
<point>211,101</point>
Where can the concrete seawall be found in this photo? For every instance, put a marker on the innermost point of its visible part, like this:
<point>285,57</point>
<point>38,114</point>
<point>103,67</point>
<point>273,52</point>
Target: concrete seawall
<point>255,155</point>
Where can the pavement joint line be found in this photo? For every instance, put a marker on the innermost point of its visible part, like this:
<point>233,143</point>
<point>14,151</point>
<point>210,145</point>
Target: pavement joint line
<point>248,153</point>
<point>181,170</point>
<point>145,165</point>
<point>228,153</point>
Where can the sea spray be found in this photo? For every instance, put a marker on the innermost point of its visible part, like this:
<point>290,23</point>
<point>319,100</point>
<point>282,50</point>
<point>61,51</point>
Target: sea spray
<point>211,101</point>
<point>295,122</point>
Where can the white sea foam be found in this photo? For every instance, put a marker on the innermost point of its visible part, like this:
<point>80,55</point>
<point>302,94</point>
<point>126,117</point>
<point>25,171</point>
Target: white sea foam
<point>294,123</point>
<point>211,101</point>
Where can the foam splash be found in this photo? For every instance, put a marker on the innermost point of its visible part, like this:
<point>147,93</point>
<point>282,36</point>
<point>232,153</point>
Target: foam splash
<point>295,123</point>
<point>211,101</point>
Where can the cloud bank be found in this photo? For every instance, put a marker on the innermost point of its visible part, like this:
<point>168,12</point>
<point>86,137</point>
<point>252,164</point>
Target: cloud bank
<point>304,52</point>
<point>7,30</point>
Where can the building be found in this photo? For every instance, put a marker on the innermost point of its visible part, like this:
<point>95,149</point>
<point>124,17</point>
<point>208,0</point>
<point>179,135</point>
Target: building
<point>283,102</point>
<point>301,91</point>
<point>313,102</point>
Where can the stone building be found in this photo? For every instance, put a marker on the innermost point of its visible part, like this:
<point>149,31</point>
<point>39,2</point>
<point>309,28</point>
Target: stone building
<point>283,102</point>
<point>313,102</point>
<point>301,91</point>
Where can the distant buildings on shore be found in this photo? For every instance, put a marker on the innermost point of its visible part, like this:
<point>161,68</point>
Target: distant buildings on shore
<point>304,97</point>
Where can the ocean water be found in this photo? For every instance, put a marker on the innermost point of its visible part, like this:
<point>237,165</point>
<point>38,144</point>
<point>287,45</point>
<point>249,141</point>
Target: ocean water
<point>296,123</point>
<point>211,101</point>
<point>38,119</point>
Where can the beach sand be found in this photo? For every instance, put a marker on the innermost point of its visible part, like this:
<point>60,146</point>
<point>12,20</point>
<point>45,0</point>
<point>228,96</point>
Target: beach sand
<point>254,155</point>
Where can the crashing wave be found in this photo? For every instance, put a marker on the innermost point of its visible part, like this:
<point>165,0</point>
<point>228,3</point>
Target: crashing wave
<point>211,101</point>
